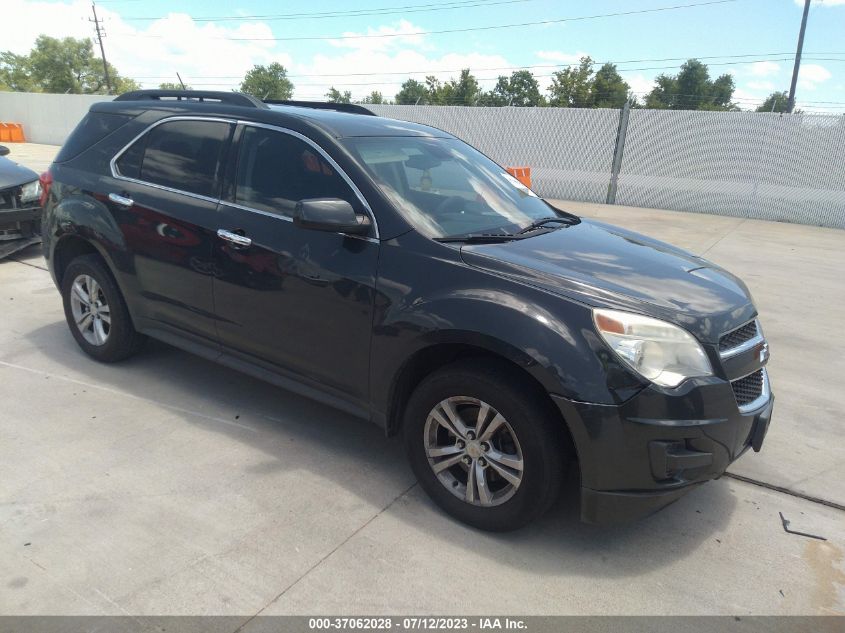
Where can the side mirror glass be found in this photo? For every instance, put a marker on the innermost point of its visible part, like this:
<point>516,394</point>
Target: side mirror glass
<point>329,214</point>
<point>4,150</point>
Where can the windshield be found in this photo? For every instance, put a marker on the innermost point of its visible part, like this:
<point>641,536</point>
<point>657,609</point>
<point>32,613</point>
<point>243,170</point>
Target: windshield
<point>445,188</point>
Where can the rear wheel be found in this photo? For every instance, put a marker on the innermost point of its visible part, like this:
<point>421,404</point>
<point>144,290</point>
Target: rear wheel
<point>484,446</point>
<point>96,312</point>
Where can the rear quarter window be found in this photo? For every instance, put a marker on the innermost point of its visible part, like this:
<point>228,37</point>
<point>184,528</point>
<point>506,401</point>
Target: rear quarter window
<point>93,128</point>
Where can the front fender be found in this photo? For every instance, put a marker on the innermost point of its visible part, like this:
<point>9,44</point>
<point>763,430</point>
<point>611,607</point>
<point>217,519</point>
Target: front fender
<point>424,302</point>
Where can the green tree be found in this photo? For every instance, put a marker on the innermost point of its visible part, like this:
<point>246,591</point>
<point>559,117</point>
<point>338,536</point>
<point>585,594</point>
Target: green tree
<point>520,89</point>
<point>375,97</point>
<point>499,95</point>
<point>692,89</point>
<point>121,84</point>
<point>775,102</point>
<point>573,87</point>
<point>435,90</point>
<point>66,65</point>
<point>609,90</point>
<point>268,82</point>
<point>463,91</point>
<point>336,96</point>
<point>411,93</point>
<point>14,72</point>
<point>172,85</point>
<point>662,96</point>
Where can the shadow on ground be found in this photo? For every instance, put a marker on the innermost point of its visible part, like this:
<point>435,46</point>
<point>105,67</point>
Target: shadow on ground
<point>296,433</point>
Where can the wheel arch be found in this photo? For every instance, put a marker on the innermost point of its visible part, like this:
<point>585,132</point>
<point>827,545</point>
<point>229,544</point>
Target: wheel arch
<point>435,356</point>
<point>69,247</point>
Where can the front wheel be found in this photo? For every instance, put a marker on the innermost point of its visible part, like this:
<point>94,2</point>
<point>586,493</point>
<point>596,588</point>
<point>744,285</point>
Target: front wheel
<point>484,446</point>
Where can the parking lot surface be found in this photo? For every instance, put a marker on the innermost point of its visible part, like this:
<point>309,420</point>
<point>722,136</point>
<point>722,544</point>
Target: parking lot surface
<point>169,485</point>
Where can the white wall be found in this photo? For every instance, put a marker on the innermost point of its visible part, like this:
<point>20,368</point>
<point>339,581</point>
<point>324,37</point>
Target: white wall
<point>46,118</point>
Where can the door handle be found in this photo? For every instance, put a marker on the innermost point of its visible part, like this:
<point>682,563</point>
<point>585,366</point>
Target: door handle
<point>240,241</point>
<point>121,201</point>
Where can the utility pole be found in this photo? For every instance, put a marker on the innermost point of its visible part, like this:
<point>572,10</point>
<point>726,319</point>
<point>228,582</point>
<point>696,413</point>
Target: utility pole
<point>791,103</point>
<point>100,36</point>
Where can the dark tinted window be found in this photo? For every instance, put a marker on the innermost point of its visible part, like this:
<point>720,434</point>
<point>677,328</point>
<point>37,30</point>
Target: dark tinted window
<point>276,170</point>
<point>129,163</point>
<point>183,155</point>
<point>94,127</point>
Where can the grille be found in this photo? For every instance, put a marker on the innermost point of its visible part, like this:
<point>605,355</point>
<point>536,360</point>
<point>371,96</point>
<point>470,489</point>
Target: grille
<point>738,336</point>
<point>8,199</point>
<point>748,389</point>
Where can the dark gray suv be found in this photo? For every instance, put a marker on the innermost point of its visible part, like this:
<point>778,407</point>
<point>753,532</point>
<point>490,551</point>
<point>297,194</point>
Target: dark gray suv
<point>394,272</point>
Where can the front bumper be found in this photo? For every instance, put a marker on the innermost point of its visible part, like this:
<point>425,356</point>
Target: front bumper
<point>19,227</point>
<point>642,455</point>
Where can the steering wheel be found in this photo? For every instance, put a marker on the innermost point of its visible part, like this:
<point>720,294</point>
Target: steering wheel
<point>452,204</point>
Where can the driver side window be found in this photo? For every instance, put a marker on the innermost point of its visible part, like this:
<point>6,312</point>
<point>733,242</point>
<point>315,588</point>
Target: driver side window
<point>276,170</point>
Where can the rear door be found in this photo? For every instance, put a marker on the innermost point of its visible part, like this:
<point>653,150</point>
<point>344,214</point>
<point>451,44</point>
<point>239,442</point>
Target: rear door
<point>297,299</point>
<point>166,188</point>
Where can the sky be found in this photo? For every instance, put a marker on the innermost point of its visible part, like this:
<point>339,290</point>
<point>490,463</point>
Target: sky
<point>321,42</point>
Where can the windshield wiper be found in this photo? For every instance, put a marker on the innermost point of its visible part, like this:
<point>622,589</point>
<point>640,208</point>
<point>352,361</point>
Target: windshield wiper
<point>484,238</point>
<point>538,224</point>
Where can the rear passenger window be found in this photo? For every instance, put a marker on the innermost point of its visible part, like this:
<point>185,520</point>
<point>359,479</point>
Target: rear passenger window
<point>183,155</point>
<point>277,170</point>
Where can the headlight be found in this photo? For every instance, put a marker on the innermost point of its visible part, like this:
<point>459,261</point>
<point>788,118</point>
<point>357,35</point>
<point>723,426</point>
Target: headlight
<point>31,191</point>
<point>660,352</point>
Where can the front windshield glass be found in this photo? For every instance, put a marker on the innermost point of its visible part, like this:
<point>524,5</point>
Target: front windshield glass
<point>445,188</point>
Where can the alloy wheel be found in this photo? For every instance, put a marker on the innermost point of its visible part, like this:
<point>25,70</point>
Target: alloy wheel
<point>90,310</point>
<point>473,451</point>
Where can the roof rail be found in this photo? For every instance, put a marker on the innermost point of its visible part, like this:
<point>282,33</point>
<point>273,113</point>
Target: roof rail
<point>227,98</point>
<point>352,108</point>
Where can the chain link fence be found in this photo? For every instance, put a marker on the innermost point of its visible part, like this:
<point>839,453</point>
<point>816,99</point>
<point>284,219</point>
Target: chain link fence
<point>768,166</point>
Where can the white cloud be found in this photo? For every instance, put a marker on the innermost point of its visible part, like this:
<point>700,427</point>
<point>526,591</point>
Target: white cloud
<point>207,57</point>
<point>179,44</point>
<point>811,75</point>
<point>764,69</point>
<point>640,84</point>
<point>404,33</point>
<point>748,100</point>
<point>760,85</point>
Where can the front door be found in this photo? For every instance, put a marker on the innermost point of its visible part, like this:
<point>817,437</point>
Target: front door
<point>300,300</point>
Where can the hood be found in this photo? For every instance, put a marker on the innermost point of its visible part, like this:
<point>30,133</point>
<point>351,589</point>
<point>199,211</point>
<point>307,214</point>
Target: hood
<point>603,265</point>
<point>14,175</point>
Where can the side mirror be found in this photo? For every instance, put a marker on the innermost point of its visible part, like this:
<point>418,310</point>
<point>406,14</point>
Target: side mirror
<point>4,150</point>
<point>328,214</point>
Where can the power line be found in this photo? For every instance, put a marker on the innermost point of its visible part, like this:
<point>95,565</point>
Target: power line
<point>353,13</point>
<point>388,82</point>
<point>528,66</point>
<point>462,30</point>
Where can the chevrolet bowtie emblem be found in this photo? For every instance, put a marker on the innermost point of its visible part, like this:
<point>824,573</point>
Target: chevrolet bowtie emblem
<point>764,353</point>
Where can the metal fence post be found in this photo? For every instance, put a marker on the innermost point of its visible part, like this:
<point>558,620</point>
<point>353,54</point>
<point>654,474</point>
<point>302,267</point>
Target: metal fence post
<point>624,115</point>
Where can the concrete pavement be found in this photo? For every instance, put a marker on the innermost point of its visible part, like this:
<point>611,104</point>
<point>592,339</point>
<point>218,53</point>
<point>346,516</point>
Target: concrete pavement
<point>170,485</point>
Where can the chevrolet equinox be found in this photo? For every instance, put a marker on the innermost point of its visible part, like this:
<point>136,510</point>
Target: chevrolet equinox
<point>392,271</point>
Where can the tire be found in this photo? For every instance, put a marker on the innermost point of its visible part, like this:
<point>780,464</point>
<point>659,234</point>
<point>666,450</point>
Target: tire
<point>531,437</point>
<point>115,338</point>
